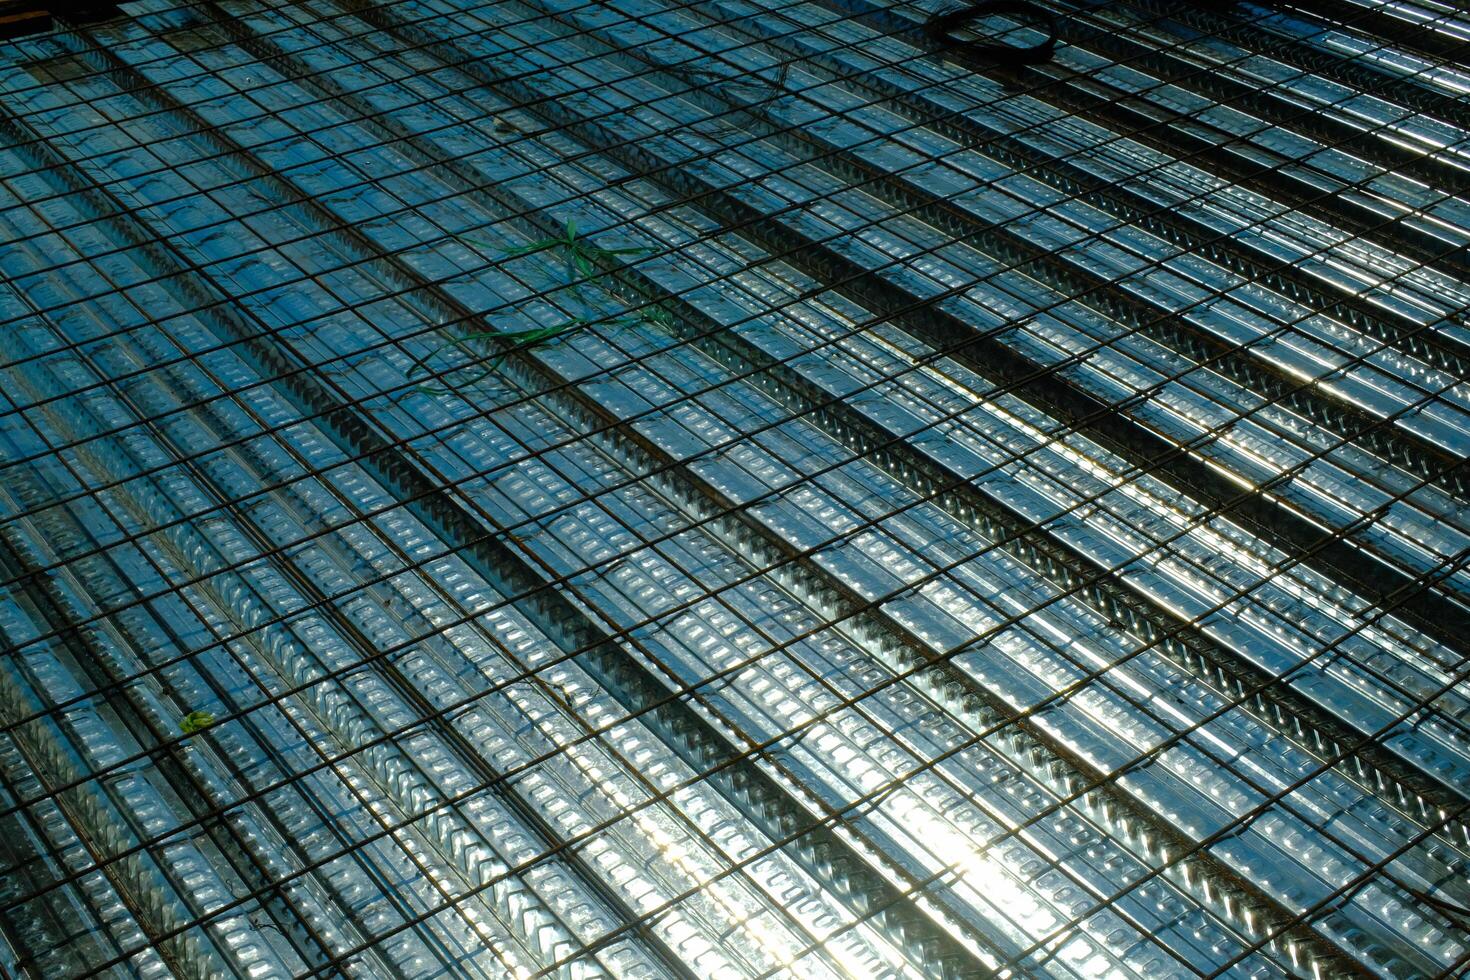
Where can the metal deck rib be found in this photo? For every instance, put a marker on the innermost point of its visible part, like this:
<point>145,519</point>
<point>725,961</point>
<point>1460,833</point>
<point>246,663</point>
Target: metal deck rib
<point>713,488</point>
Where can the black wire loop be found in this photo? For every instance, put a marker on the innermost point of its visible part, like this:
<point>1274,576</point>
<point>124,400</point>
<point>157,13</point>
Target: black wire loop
<point>942,26</point>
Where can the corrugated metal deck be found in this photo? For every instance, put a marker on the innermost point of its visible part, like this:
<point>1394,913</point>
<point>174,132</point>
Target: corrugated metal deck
<point>735,489</point>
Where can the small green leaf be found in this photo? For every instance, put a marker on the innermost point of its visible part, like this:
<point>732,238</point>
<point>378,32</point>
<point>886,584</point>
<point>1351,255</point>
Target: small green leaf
<point>195,721</point>
<point>532,248</point>
<point>528,333</point>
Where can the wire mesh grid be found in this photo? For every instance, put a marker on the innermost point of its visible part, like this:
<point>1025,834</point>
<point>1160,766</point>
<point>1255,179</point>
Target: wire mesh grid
<point>734,489</point>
